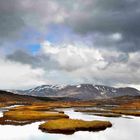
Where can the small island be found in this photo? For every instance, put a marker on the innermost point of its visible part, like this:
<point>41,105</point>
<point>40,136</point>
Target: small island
<point>33,115</point>
<point>69,126</point>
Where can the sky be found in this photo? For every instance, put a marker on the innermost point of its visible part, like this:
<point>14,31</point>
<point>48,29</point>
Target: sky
<point>69,42</point>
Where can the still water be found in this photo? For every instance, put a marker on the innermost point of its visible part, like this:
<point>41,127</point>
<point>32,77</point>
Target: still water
<point>122,129</point>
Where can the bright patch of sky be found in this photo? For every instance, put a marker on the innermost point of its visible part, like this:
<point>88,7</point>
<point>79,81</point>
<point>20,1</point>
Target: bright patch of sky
<point>34,48</point>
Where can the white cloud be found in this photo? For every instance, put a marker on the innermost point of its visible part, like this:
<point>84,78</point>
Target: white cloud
<point>72,64</point>
<point>137,86</point>
<point>14,75</point>
<point>82,64</point>
<point>72,57</point>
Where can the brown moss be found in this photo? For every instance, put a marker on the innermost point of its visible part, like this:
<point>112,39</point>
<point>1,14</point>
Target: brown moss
<point>69,126</point>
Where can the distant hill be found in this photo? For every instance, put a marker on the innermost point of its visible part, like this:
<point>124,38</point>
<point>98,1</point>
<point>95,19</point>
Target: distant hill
<point>80,92</point>
<point>6,97</point>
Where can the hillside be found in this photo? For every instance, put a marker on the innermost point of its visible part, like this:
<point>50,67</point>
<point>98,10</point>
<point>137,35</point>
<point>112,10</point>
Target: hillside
<point>81,92</point>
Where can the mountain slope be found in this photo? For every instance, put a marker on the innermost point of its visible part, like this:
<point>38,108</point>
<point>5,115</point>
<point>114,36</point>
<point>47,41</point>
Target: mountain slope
<point>82,91</point>
<point>11,98</point>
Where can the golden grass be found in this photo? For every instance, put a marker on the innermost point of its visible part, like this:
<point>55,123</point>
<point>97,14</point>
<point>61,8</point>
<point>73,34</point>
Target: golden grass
<point>34,112</point>
<point>69,126</point>
<point>126,112</point>
<point>52,105</point>
<point>4,121</point>
<point>2,105</point>
<point>92,111</point>
<point>107,114</point>
<point>112,112</point>
<point>32,115</point>
<point>104,113</point>
<point>31,108</point>
<point>130,108</point>
<point>131,105</point>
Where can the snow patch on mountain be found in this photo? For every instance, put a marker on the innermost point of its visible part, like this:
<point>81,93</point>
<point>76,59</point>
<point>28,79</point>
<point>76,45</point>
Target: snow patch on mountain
<point>81,91</point>
<point>78,86</point>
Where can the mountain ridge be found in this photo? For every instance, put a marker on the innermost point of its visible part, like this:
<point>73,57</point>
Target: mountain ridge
<point>81,91</point>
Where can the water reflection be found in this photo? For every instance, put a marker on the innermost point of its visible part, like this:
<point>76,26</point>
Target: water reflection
<point>123,129</point>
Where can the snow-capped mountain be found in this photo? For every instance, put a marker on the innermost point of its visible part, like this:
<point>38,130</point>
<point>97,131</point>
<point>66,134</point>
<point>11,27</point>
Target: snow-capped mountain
<point>82,91</point>
<point>41,91</point>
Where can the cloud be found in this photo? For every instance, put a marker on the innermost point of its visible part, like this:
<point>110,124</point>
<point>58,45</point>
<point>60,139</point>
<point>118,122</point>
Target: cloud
<point>15,75</point>
<point>24,57</point>
<point>10,20</point>
<point>78,63</point>
<point>28,19</point>
<point>85,64</point>
<point>72,57</point>
<point>94,41</point>
<point>105,18</point>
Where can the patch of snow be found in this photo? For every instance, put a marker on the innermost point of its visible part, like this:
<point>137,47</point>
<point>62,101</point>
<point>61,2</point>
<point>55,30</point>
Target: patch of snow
<point>102,93</point>
<point>97,87</point>
<point>31,90</point>
<point>61,87</point>
<point>114,90</point>
<point>47,87</point>
<point>78,86</point>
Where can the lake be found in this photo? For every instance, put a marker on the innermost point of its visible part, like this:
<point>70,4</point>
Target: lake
<point>124,128</point>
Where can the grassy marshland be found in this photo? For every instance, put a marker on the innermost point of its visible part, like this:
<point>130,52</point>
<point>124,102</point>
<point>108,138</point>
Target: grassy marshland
<point>4,121</point>
<point>21,115</point>
<point>92,111</point>
<point>51,105</point>
<point>126,112</point>
<point>107,114</point>
<point>32,115</point>
<point>31,108</point>
<point>130,106</point>
<point>69,126</point>
<point>115,112</point>
<point>104,113</point>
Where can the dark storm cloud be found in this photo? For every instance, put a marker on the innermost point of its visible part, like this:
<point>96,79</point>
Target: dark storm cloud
<point>108,17</point>
<point>85,17</point>
<point>23,57</point>
<point>36,61</point>
<point>19,17</point>
<point>10,19</point>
